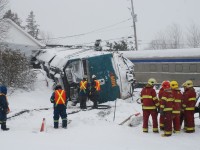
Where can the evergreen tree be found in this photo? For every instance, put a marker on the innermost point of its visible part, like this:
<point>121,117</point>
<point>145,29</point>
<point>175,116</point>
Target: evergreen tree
<point>32,27</point>
<point>14,17</point>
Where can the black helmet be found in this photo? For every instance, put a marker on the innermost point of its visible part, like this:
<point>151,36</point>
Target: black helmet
<point>58,87</point>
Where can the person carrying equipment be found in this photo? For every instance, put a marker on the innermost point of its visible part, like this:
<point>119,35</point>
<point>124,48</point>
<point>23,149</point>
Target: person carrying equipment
<point>59,99</point>
<point>150,104</point>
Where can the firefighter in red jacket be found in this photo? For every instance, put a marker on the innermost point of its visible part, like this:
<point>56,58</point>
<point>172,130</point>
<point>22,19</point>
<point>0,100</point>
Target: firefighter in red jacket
<point>166,107</point>
<point>160,93</point>
<point>149,105</point>
<point>59,99</point>
<point>189,101</point>
<point>177,106</point>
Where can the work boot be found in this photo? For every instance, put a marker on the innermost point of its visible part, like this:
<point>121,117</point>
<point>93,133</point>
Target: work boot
<point>3,127</point>
<point>64,124</point>
<point>56,125</point>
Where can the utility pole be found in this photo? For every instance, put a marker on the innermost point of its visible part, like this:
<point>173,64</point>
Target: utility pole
<point>134,16</point>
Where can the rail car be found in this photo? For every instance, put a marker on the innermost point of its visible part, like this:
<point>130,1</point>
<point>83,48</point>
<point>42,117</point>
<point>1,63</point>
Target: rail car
<point>168,64</point>
<point>68,66</point>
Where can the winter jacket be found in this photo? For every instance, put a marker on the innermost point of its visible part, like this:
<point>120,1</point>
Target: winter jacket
<point>3,99</point>
<point>178,98</point>
<point>167,101</point>
<point>149,99</point>
<point>189,99</point>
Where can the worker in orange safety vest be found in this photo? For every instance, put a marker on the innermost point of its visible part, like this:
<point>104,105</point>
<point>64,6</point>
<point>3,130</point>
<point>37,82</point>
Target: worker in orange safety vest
<point>59,99</point>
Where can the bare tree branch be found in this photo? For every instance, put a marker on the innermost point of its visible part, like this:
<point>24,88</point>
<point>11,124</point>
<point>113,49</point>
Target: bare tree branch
<point>193,36</point>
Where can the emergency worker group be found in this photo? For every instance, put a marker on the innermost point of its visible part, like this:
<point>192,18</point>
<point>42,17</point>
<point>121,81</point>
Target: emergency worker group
<point>174,107</point>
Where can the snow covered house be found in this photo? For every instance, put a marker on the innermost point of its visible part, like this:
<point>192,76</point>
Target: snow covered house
<point>68,66</point>
<point>19,39</point>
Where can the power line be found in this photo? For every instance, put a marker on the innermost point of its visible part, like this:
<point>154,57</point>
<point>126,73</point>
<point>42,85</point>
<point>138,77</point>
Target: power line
<point>96,30</point>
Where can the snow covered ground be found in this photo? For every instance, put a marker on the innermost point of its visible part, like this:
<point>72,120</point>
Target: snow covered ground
<point>89,130</point>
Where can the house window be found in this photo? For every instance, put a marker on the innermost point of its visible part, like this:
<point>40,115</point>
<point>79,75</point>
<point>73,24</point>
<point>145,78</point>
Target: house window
<point>165,68</point>
<point>178,68</point>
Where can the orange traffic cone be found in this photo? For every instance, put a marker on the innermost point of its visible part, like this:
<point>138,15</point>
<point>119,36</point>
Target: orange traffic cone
<point>43,125</point>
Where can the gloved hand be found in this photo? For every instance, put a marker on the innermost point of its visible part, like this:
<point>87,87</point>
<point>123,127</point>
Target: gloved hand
<point>162,112</point>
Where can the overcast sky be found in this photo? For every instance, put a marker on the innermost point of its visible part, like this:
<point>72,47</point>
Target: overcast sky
<point>64,18</point>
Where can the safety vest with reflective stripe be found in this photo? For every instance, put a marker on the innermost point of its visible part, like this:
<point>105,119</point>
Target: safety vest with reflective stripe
<point>97,86</point>
<point>83,85</point>
<point>167,100</point>
<point>60,97</point>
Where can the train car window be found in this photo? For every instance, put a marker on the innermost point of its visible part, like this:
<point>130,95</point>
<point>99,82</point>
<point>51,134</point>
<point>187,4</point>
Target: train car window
<point>179,68</point>
<point>153,68</point>
<point>165,68</point>
<point>193,68</point>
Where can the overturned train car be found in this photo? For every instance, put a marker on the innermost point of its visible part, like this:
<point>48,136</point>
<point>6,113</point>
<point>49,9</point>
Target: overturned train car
<point>168,64</point>
<point>68,66</point>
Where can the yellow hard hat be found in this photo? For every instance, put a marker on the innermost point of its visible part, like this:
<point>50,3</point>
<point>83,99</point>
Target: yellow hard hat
<point>152,81</point>
<point>174,84</point>
<point>188,84</point>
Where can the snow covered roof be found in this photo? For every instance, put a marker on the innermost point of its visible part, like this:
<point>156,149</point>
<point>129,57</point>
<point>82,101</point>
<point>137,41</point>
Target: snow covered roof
<point>62,57</point>
<point>165,53</point>
<point>16,35</point>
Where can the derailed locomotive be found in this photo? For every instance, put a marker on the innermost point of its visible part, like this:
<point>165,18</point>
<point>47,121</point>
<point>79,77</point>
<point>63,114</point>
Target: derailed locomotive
<point>68,66</point>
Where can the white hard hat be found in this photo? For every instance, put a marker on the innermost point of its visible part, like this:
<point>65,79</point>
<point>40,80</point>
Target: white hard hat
<point>93,76</point>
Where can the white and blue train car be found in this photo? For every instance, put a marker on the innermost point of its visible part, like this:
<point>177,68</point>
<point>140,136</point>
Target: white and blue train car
<point>167,64</point>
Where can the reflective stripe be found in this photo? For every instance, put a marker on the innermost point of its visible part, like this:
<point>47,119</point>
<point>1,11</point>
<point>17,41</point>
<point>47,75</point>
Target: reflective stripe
<point>184,105</point>
<point>64,119</point>
<point>190,129</point>
<point>164,98</point>
<point>190,108</point>
<point>157,104</point>
<point>176,112</point>
<point>162,106</point>
<point>149,107</point>
<point>177,100</point>
<point>170,100</point>
<point>155,129</point>
<point>176,131</point>
<point>60,97</point>
<point>146,96</point>
<point>168,132</point>
<point>161,125</point>
<point>55,120</point>
<point>155,98</point>
<point>192,99</point>
<point>83,85</point>
<point>167,109</point>
<point>145,129</point>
